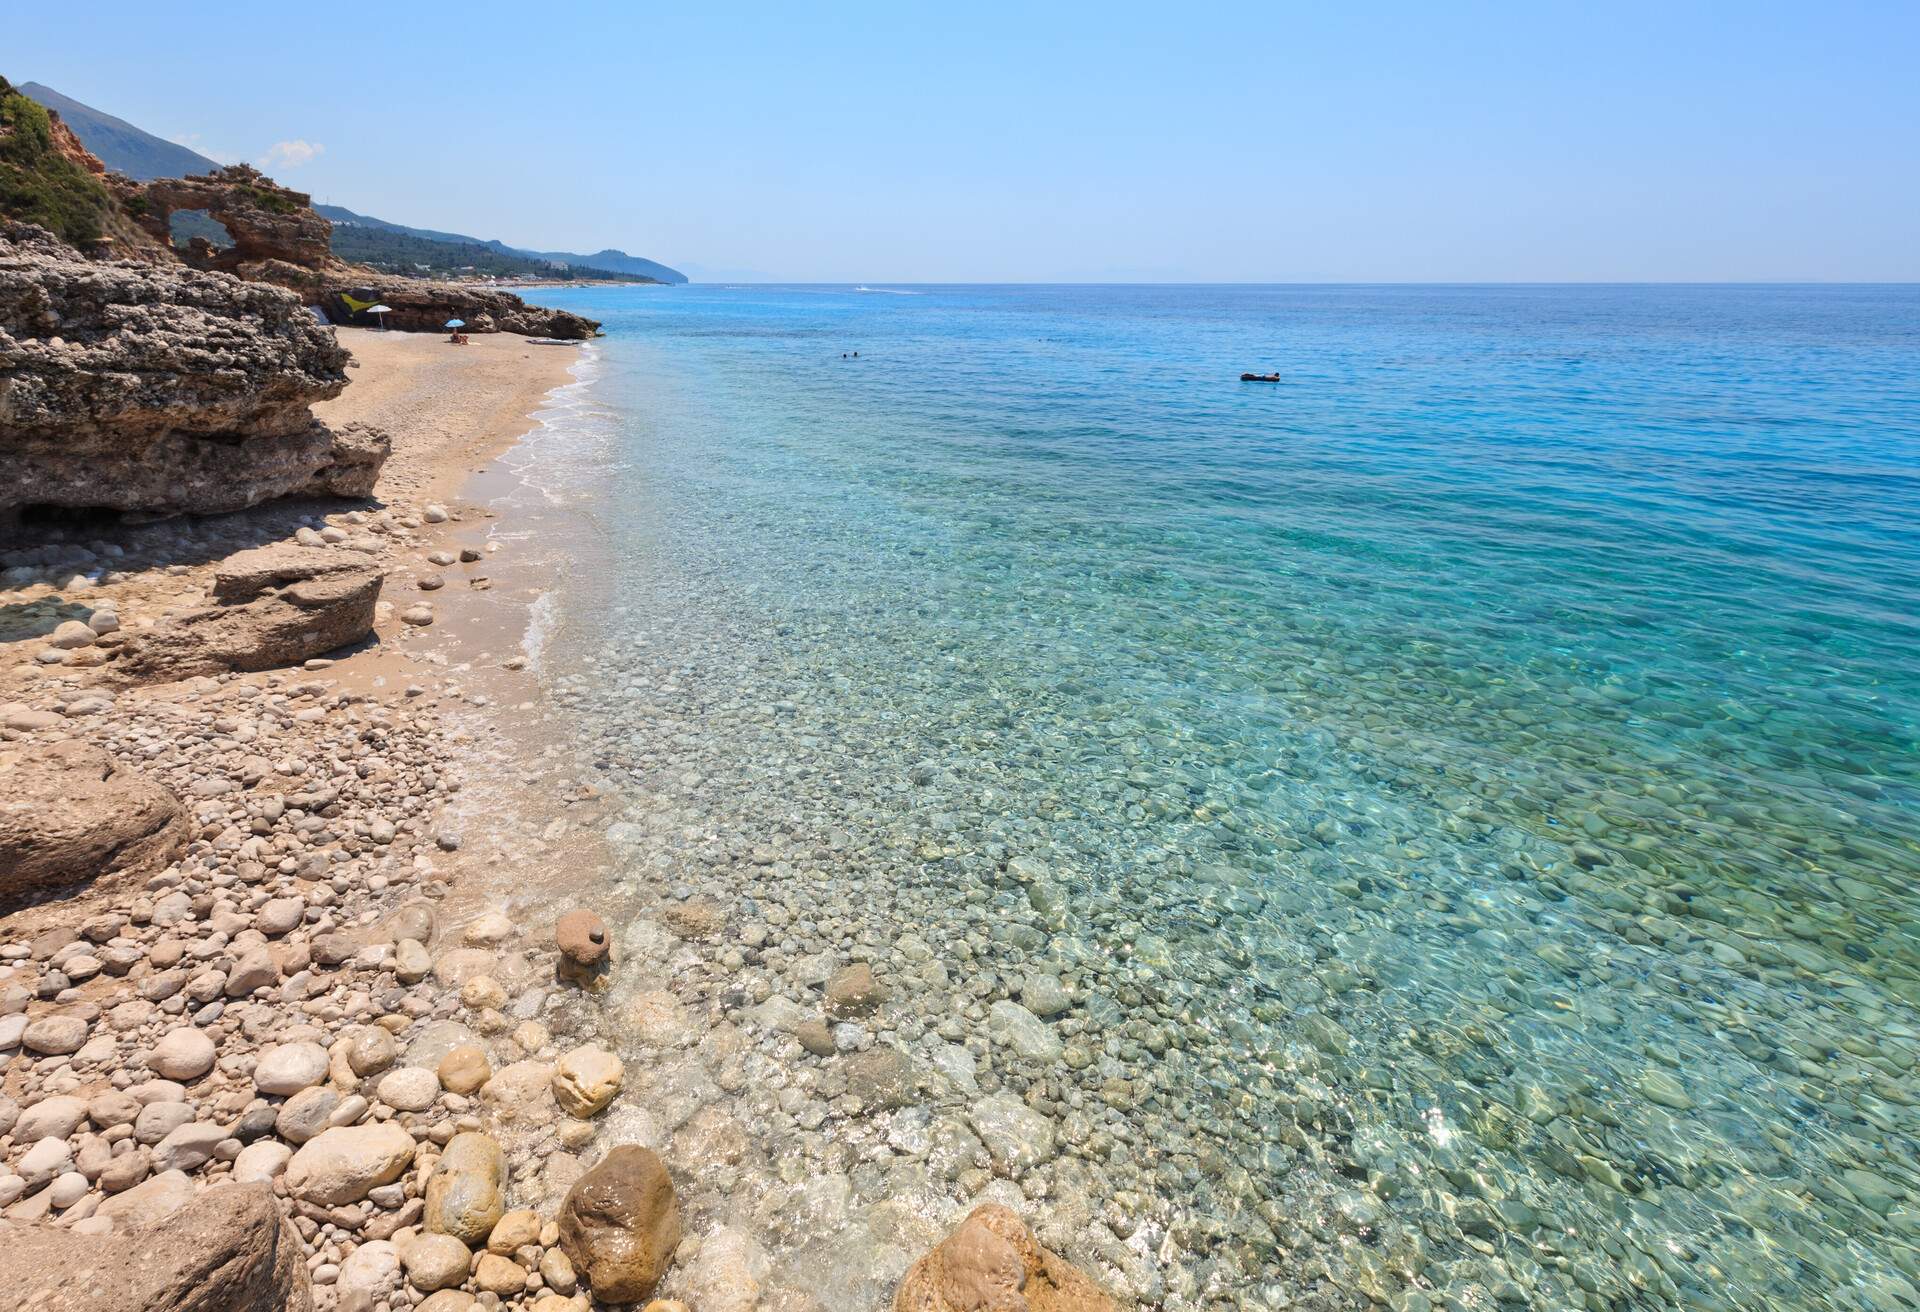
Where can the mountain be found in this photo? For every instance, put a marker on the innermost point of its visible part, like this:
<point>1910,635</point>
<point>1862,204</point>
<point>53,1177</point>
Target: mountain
<point>142,156</point>
<point>392,251</point>
<point>611,260</point>
<point>618,261</point>
<point>120,145</point>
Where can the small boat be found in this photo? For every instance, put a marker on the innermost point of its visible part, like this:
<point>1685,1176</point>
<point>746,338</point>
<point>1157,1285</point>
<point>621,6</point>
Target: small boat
<point>1259,378</point>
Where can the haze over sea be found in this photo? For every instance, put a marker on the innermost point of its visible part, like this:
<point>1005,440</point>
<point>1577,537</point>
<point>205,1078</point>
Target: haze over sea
<point>1468,790</point>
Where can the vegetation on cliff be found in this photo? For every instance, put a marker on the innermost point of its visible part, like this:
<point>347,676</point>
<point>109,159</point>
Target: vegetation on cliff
<point>39,184</point>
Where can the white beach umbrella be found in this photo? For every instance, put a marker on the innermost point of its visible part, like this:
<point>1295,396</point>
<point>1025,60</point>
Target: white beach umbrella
<point>380,310</point>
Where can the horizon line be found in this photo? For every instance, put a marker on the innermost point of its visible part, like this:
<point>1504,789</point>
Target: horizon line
<point>1319,282</point>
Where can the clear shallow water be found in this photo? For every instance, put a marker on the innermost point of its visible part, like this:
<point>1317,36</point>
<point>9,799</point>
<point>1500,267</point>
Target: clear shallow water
<point>1469,790</point>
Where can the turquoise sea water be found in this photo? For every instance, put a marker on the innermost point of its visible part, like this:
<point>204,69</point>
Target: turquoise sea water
<point>1469,790</point>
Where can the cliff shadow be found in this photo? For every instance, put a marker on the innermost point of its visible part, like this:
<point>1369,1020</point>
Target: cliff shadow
<point>55,540</point>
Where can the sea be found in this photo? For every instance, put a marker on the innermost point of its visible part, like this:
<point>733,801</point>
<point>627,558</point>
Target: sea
<point>1440,830</point>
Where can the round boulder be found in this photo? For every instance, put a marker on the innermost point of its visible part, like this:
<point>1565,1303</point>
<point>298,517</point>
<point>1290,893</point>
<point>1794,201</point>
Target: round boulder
<point>435,1261</point>
<point>183,1054</point>
<point>409,1088</point>
<point>619,1224</point>
<point>344,1164</point>
<point>287,1068</point>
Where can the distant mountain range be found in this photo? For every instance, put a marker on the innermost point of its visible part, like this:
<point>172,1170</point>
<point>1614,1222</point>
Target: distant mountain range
<point>612,260</point>
<point>140,155</point>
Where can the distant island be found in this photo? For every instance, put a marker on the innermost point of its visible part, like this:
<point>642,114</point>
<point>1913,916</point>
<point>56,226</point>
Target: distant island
<point>361,238</point>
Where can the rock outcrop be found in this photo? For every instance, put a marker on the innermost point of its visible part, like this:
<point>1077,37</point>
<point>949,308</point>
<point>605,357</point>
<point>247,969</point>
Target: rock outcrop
<point>229,1250</point>
<point>69,814</point>
<point>267,222</point>
<point>425,307</point>
<point>619,1225</point>
<point>992,1263</point>
<point>324,607</point>
<point>131,386</point>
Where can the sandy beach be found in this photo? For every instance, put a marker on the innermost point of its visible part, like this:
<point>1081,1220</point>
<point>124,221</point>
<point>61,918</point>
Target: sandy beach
<point>450,408</point>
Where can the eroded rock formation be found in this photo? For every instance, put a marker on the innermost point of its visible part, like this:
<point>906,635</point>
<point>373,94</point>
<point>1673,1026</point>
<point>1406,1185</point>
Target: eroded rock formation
<point>133,386</point>
<point>69,815</point>
<point>48,177</point>
<point>269,224</point>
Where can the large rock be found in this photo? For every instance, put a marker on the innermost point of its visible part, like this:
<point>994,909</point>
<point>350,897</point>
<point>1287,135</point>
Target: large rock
<point>229,1250</point>
<point>300,621</point>
<point>1011,1025</point>
<point>69,814</point>
<point>286,1068</point>
<point>992,1263</point>
<point>726,1275</point>
<point>619,1225</point>
<point>522,1093</point>
<point>346,1163</point>
<point>435,1261</point>
<point>140,386</point>
<point>466,1193</point>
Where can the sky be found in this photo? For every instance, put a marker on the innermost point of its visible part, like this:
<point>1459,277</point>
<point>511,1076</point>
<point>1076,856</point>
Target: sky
<point>1023,142</point>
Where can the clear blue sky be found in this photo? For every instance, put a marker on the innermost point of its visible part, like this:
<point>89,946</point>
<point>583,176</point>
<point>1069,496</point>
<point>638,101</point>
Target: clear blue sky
<point>1113,141</point>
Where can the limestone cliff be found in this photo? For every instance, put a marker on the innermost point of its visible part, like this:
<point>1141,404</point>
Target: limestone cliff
<point>134,386</point>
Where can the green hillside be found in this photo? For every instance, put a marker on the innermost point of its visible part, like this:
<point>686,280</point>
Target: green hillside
<point>399,252</point>
<point>40,185</point>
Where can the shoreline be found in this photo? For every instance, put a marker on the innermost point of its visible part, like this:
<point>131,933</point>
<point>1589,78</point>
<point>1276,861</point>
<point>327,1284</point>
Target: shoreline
<point>354,991</point>
<point>350,771</point>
